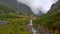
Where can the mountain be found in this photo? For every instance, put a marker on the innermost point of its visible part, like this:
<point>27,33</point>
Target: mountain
<point>8,2</point>
<point>21,9</point>
<point>24,8</point>
<point>49,22</point>
<point>11,23</point>
<point>40,13</point>
<point>54,7</point>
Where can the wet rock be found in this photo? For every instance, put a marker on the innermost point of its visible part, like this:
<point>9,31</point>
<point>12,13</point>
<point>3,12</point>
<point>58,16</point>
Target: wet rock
<point>2,22</point>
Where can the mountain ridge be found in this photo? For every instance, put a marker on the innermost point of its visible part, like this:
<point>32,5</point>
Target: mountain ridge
<point>55,6</point>
<point>19,7</point>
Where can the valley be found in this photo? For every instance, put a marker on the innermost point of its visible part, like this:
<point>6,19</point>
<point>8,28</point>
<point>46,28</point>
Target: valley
<point>19,19</point>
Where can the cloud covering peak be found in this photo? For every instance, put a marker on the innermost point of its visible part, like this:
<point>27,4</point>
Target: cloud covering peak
<point>36,5</point>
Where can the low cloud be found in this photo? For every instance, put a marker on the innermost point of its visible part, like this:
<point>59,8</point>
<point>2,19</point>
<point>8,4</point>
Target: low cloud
<point>36,5</point>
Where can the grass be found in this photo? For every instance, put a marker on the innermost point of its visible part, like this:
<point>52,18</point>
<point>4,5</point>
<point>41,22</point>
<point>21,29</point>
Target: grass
<point>14,26</point>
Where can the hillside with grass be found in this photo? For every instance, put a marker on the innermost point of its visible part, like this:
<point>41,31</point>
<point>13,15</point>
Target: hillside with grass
<point>11,22</point>
<point>49,22</point>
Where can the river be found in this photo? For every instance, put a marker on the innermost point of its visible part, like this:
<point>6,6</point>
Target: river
<point>33,29</point>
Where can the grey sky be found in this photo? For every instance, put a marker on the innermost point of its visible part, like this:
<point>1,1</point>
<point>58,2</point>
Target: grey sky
<point>36,5</point>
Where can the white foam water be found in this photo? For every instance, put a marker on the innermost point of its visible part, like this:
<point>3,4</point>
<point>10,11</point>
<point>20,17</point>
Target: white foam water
<point>33,29</point>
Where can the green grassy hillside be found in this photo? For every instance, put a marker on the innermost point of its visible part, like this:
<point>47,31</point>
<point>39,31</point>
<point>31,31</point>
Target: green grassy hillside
<point>14,26</point>
<point>49,21</point>
<point>16,23</point>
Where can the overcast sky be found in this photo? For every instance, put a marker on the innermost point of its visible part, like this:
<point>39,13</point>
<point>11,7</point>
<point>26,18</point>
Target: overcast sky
<point>36,5</point>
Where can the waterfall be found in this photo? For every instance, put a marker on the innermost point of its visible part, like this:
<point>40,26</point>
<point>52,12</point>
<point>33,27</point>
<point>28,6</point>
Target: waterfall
<point>33,29</point>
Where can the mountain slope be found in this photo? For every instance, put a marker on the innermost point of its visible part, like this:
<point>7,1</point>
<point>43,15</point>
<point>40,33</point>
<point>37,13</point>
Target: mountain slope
<point>54,7</point>
<point>11,23</point>
<point>50,21</point>
<point>21,9</point>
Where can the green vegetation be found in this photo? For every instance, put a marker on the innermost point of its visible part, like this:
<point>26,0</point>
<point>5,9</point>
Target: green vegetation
<point>50,21</point>
<point>5,10</point>
<point>16,23</point>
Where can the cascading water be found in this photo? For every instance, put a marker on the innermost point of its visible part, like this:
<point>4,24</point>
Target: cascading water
<point>33,29</point>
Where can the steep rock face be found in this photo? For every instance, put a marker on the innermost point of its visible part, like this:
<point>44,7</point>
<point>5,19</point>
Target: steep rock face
<point>20,7</point>
<point>54,7</point>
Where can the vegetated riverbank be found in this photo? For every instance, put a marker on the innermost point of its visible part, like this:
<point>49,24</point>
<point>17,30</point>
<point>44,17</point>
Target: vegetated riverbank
<point>16,22</point>
<point>15,25</point>
<point>48,23</point>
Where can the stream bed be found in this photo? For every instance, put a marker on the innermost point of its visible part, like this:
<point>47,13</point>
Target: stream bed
<point>33,29</point>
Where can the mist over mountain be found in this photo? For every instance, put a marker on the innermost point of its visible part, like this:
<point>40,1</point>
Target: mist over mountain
<point>51,20</point>
<point>29,17</point>
<point>54,7</point>
<point>24,9</point>
<point>39,5</point>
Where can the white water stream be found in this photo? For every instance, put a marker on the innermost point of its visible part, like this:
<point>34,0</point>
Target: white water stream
<point>33,29</point>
